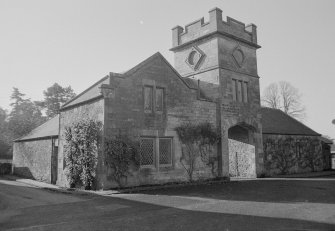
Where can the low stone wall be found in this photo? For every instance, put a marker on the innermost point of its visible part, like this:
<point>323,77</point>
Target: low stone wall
<point>32,159</point>
<point>241,159</point>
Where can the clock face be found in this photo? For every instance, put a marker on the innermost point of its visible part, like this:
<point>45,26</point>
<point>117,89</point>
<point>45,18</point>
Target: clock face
<point>194,58</point>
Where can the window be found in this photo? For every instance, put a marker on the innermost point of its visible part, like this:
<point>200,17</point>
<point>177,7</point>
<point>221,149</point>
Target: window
<point>153,99</point>
<point>162,152</point>
<point>147,152</point>
<point>234,89</point>
<point>245,92</point>
<point>148,104</point>
<point>159,99</point>
<point>165,151</point>
<point>240,91</point>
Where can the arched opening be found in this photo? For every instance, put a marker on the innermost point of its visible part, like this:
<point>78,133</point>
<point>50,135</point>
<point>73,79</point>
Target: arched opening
<point>241,151</point>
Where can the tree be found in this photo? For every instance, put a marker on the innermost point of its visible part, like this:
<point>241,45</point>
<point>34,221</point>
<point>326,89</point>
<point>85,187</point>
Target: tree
<point>5,137</point>
<point>285,97</point>
<point>24,116</point>
<point>54,97</point>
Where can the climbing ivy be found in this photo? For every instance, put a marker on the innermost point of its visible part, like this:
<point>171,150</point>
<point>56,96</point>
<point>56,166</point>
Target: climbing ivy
<point>199,141</point>
<point>285,153</point>
<point>82,140</point>
<point>121,153</point>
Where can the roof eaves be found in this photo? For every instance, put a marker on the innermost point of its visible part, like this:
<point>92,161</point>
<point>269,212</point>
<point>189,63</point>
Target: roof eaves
<point>36,138</point>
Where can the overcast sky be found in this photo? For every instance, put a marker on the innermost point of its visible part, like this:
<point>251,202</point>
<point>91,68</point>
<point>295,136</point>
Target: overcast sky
<point>78,42</point>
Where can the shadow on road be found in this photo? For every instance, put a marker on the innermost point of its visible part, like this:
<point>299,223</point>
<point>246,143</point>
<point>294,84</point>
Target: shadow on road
<point>262,191</point>
<point>56,211</point>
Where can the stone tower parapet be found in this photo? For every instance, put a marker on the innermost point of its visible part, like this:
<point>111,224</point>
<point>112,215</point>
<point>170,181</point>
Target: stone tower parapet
<point>199,29</point>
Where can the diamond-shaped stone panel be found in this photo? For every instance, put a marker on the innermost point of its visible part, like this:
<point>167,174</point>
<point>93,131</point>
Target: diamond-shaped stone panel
<point>194,58</point>
<point>238,56</point>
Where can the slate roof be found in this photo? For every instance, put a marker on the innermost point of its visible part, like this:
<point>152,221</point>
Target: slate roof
<point>48,129</point>
<point>275,121</point>
<point>90,93</point>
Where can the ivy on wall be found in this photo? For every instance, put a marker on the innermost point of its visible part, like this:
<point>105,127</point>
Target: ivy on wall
<point>198,140</point>
<point>121,153</point>
<point>82,141</point>
<point>282,154</point>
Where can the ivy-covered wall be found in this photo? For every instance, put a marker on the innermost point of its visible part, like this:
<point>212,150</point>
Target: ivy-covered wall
<point>287,154</point>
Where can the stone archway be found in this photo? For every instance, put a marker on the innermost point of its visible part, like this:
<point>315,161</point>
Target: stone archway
<point>241,146</point>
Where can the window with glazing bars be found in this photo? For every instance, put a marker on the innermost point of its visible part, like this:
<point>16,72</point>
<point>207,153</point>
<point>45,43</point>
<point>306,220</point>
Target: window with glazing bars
<point>165,151</point>
<point>147,146</point>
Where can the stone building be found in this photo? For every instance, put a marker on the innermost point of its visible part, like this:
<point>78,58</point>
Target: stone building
<point>290,146</point>
<point>35,154</point>
<point>214,79</point>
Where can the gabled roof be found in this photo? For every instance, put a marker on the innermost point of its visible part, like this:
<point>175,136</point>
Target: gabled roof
<point>48,129</point>
<point>275,121</point>
<point>94,91</point>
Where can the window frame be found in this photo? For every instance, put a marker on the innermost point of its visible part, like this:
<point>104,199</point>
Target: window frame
<point>162,99</point>
<point>241,96</point>
<point>152,99</point>
<point>156,152</point>
<point>171,151</point>
<point>153,165</point>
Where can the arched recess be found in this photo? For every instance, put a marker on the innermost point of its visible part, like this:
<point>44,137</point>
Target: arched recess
<point>242,161</point>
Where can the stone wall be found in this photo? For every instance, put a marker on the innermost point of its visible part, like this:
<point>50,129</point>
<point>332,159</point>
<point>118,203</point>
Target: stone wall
<point>90,110</point>
<point>125,115</point>
<point>288,154</point>
<point>32,159</point>
<point>241,159</point>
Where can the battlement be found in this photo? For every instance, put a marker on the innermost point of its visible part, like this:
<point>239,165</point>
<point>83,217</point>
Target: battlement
<point>200,28</point>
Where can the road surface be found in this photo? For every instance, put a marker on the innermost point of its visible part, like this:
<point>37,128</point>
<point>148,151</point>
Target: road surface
<point>252,205</point>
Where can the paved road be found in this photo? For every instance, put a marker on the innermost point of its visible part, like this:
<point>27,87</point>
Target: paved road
<point>250,205</point>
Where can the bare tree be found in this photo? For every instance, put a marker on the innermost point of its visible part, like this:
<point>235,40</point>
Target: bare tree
<point>271,96</point>
<point>285,97</point>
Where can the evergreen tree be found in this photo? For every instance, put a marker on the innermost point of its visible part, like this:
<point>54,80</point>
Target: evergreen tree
<point>24,116</point>
<point>5,136</point>
<point>54,97</point>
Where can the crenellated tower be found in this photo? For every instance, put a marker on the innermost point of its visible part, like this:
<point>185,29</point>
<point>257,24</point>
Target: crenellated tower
<point>222,55</point>
<point>202,49</point>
